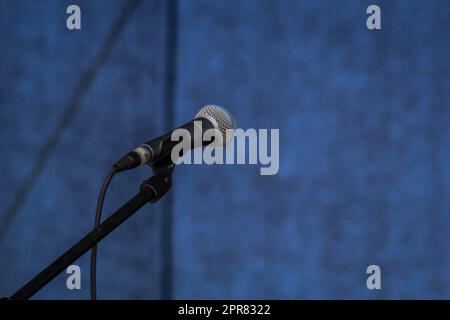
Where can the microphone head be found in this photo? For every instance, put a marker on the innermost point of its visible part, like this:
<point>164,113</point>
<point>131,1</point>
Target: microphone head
<point>221,118</point>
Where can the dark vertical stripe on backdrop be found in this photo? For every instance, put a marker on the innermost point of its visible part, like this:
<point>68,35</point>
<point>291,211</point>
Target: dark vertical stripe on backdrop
<point>169,101</point>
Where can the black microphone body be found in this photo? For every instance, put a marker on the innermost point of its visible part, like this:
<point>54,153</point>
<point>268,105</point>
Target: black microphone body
<point>161,147</point>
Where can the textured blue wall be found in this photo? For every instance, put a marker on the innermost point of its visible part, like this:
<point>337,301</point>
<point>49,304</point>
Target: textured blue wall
<point>364,146</point>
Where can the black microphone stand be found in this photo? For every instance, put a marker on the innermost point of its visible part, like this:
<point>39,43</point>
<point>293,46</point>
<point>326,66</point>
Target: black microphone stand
<point>151,190</point>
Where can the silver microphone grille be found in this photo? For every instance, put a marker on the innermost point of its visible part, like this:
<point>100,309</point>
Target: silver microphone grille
<point>222,117</point>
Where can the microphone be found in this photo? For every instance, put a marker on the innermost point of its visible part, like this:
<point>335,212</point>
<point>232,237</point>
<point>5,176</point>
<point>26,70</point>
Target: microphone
<point>209,117</point>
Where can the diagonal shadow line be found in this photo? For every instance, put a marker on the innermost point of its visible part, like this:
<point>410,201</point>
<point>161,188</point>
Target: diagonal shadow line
<point>66,118</point>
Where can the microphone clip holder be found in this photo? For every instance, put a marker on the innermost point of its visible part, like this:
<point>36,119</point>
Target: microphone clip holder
<point>161,181</point>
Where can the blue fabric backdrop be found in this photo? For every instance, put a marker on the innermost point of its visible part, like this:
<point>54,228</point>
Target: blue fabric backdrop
<point>363,118</point>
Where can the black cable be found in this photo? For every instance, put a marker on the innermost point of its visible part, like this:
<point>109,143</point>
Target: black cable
<point>98,217</point>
